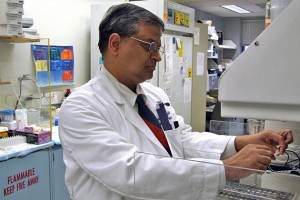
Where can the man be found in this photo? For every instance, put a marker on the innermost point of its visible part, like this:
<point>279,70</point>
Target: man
<point>110,152</point>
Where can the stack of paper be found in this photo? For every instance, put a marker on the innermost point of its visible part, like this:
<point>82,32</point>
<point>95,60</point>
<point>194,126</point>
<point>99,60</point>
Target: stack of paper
<point>11,12</point>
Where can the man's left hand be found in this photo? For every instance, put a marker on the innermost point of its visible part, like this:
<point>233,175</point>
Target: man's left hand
<point>277,141</point>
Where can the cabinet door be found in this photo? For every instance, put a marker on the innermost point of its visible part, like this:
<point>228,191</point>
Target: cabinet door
<point>58,186</point>
<point>26,177</point>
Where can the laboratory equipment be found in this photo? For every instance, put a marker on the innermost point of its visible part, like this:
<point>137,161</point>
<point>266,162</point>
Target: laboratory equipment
<point>235,190</point>
<point>9,142</point>
<point>262,83</point>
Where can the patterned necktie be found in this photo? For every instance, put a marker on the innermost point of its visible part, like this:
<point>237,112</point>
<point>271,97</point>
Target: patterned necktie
<point>152,122</point>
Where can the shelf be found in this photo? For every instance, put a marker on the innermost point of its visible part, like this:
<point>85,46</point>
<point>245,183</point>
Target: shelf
<point>41,115</point>
<point>227,44</point>
<point>18,39</point>
<point>210,108</point>
<point>5,83</point>
<point>212,38</point>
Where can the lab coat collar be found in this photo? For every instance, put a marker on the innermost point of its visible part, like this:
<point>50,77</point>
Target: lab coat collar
<point>120,93</point>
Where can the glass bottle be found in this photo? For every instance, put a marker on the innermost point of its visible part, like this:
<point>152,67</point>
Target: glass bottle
<point>68,92</point>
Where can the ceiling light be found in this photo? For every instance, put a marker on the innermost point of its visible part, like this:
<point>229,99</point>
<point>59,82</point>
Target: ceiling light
<point>236,9</point>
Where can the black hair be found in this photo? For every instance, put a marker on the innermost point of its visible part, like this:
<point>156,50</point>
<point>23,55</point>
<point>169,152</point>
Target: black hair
<point>123,19</point>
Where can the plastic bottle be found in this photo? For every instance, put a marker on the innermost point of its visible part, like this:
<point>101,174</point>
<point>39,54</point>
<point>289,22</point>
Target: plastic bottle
<point>21,118</point>
<point>55,117</point>
<point>268,14</point>
<point>68,92</point>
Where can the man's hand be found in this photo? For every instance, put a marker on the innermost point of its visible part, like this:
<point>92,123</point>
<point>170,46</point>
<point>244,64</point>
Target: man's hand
<point>252,156</point>
<point>277,141</point>
<point>256,152</point>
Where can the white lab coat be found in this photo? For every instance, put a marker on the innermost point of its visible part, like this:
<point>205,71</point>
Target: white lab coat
<point>102,134</point>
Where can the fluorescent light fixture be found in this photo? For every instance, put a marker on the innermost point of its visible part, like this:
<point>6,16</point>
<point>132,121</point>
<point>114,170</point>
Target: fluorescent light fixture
<point>236,9</point>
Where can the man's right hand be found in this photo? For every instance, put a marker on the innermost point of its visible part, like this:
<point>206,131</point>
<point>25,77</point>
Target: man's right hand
<point>256,157</point>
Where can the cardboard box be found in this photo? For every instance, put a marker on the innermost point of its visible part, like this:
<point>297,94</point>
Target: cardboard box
<point>40,137</point>
<point>3,132</point>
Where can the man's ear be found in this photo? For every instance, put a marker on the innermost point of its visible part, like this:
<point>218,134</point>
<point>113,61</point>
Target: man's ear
<point>114,43</point>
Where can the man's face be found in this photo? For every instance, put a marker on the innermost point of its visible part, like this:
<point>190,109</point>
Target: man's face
<point>138,63</point>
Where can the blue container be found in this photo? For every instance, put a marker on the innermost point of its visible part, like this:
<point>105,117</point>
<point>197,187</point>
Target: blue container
<point>7,115</point>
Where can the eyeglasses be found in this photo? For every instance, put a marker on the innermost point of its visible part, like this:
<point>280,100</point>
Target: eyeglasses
<point>153,46</point>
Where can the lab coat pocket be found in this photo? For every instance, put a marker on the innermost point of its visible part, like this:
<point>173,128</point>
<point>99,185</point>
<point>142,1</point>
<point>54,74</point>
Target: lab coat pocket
<point>175,142</point>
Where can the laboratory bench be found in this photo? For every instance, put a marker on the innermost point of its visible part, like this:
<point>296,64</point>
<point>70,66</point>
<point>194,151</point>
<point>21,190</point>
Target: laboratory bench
<point>35,173</point>
<point>38,173</point>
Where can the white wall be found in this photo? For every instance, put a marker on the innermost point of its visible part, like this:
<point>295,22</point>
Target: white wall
<point>65,22</point>
<point>232,31</point>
